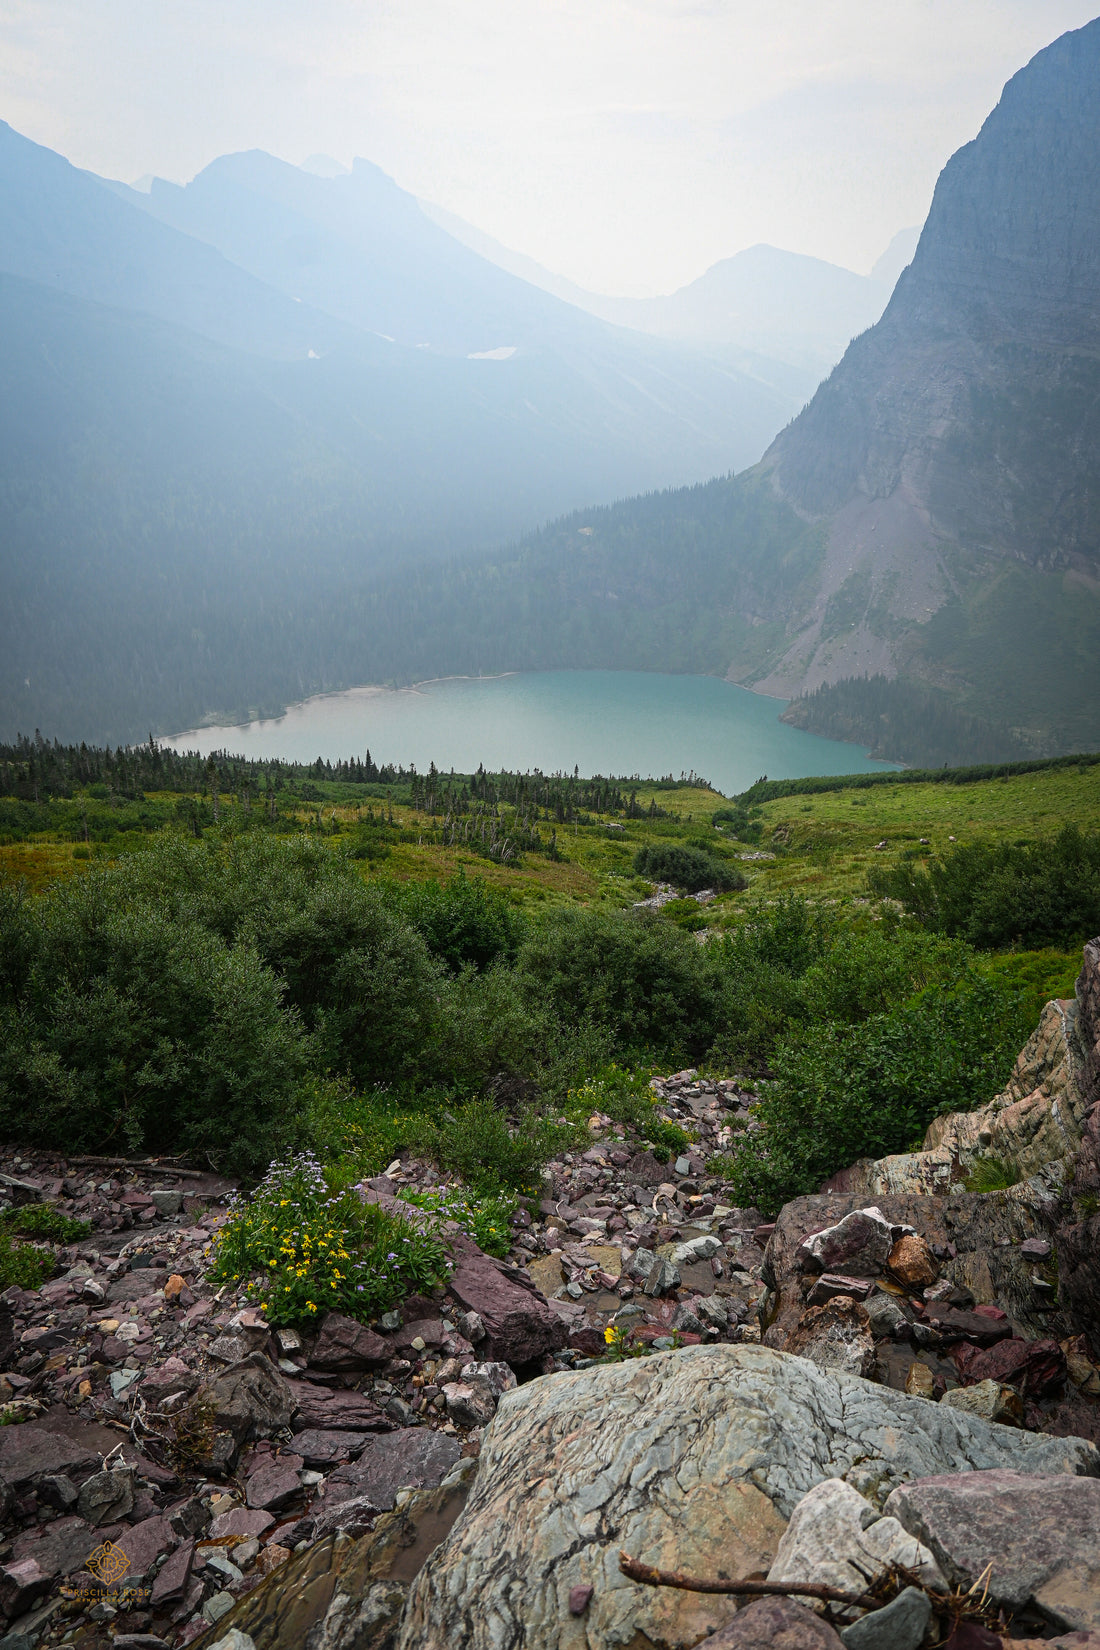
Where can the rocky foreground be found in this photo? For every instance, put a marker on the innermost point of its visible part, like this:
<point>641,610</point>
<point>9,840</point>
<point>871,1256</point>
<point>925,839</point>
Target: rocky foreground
<point>925,1404</point>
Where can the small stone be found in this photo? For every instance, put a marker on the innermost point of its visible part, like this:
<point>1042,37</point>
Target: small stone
<point>682,1166</point>
<point>579,1598</point>
<point>418,1343</point>
<point>233,1640</point>
<point>92,1291</point>
<point>471,1326</point>
<point>990,1400</point>
<point>269,1558</point>
<point>166,1203</point>
<point>899,1625</point>
<point>217,1606</point>
<point>912,1262</point>
<point>173,1286</point>
<point>244,1553</point>
<point>835,1283</point>
<point>107,1496</point>
<point>389,1321</point>
<point>919,1381</point>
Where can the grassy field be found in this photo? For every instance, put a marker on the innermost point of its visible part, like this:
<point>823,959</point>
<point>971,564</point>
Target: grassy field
<point>819,846</point>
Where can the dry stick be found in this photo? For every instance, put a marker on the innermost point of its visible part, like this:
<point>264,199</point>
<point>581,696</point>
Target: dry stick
<point>637,1571</point>
<point>148,1168</point>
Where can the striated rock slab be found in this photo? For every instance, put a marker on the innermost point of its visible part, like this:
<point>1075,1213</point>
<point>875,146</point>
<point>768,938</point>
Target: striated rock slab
<point>693,1460</point>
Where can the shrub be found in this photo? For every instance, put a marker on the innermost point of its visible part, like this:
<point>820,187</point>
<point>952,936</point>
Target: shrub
<point>685,867</point>
<point>846,1092</point>
<point>464,921</point>
<point>653,989</point>
<point>307,1250</point>
<point>23,1264</point>
<point>146,1033</point>
<point>667,1139</point>
<point>486,1219</point>
<point>999,893</point>
<point>41,1220</point>
<point>476,1142</point>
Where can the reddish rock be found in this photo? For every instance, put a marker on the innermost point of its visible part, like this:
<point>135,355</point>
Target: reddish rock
<point>1039,1531</point>
<point>579,1598</point>
<point>428,1330</point>
<point>835,1283</point>
<point>774,1624</point>
<point>344,1346</point>
<point>956,1325</point>
<point>1037,1369</point>
<point>173,1576</point>
<point>519,1324</point>
<point>34,1450</point>
<point>337,1411</point>
<point>860,1244</point>
<point>241,1522</point>
<point>328,1449</point>
<point>144,1542</point>
<point>274,1483</point>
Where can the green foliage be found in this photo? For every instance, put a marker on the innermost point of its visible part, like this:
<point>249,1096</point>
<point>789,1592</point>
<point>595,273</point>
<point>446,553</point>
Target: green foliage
<point>685,913</point>
<point>741,823</point>
<point>477,1142</point>
<point>617,1092</point>
<point>992,1174</point>
<point>464,922</point>
<point>23,1264</point>
<point>686,867</point>
<point>42,1220</point>
<point>654,990</point>
<point>128,1026</point>
<point>903,721</point>
<point>307,1250</point>
<point>487,1219</point>
<point>667,1139</point>
<point>846,1092</point>
<point>999,893</point>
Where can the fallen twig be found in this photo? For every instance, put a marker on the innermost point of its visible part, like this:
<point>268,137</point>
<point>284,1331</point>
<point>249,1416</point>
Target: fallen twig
<point>637,1571</point>
<point>146,1168</point>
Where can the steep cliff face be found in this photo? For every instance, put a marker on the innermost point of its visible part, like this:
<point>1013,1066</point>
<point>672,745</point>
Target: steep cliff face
<point>955,450</point>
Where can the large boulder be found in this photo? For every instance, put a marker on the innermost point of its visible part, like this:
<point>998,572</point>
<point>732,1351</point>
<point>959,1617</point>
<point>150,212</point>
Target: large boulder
<point>1038,1533</point>
<point>691,1460</point>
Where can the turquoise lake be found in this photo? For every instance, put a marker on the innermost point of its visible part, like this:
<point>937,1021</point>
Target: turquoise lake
<point>600,721</point>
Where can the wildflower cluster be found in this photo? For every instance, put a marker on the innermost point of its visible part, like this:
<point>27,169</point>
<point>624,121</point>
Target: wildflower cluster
<point>488,1220</point>
<point>306,1250</point>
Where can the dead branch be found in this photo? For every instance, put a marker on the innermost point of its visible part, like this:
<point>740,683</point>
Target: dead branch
<point>637,1571</point>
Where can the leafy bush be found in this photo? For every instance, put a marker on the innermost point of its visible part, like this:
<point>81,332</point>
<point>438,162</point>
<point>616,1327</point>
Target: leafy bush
<point>667,1139</point>
<point>42,1220</point>
<point>685,867</point>
<point>846,1092</point>
<point>999,893</point>
<point>146,1033</point>
<point>307,1250</point>
<point>486,1219</point>
<point>685,913</point>
<point>464,921</point>
<point>23,1264</point>
<point>476,1142</point>
<point>654,990</point>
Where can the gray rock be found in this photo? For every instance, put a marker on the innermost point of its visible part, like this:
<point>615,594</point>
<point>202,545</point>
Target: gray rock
<point>469,1403</point>
<point>217,1606</point>
<point>899,1625</point>
<point>1039,1532</point>
<point>233,1640</point>
<point>251,1397</point>
<point>419,1459</point>
<point>713,1310</point>
<point>836,1538</point>
<point>321,1448</point>
<point>695,1459</point>
<point>166,1203</point>
<point>885,1318</point>
<point>698,1248</point>
<point>682,1166</point>
<point>106,1496</point>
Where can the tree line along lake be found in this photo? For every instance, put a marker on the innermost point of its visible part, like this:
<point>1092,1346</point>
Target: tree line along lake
<point>600,721</point>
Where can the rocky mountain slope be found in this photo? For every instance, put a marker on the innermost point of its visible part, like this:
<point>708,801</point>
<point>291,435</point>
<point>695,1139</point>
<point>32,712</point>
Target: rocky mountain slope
<point>954,451</point>
<point>468,1470</point>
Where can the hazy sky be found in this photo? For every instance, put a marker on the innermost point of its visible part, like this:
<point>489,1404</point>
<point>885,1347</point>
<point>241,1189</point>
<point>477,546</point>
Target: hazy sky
<point>627,144</point>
